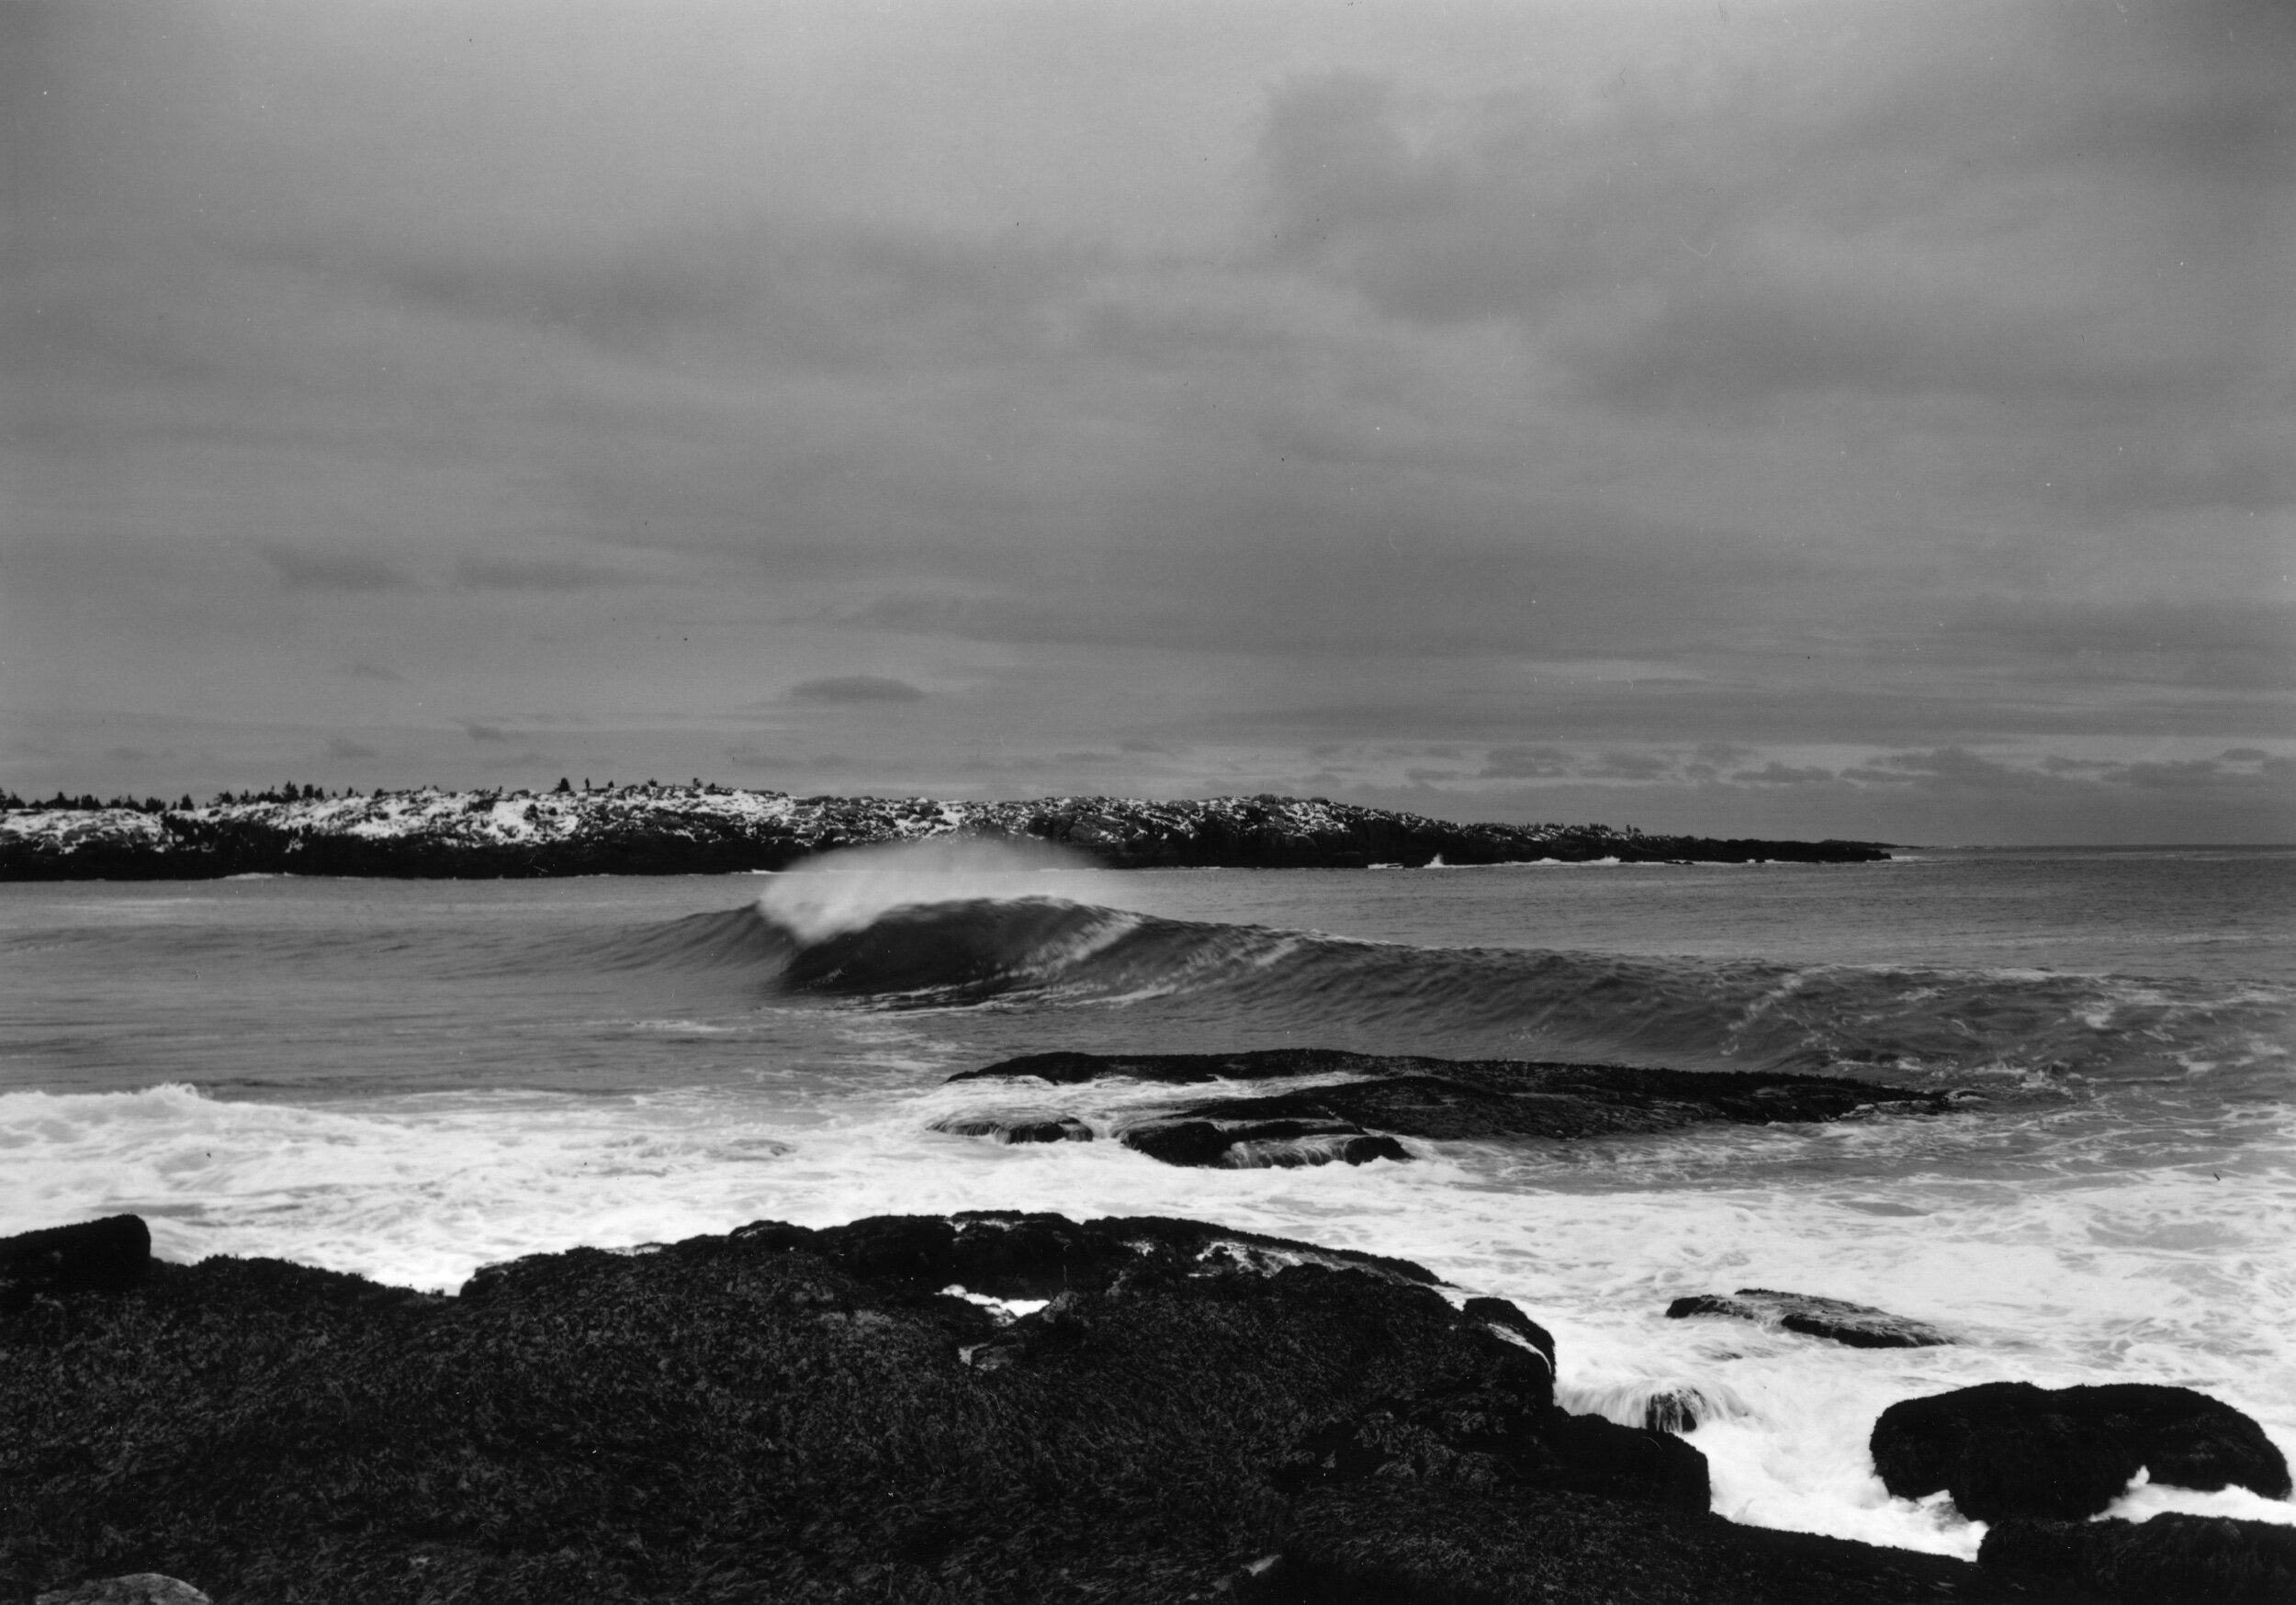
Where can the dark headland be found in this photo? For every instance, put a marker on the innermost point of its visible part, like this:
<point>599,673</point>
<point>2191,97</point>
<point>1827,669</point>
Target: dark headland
<point>698,829</point>
<point>978,1408</point>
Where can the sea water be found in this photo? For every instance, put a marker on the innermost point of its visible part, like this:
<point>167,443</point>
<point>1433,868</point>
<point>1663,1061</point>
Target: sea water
<point>412,1079</point>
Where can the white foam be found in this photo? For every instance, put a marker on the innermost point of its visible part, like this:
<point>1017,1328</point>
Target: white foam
<point>2083,1275</point>
<point>845,891</point>
<point>1003,1309</point>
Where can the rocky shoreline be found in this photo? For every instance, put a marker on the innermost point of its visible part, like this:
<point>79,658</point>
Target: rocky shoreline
<point>698,829</point>
<point>982,1407</point>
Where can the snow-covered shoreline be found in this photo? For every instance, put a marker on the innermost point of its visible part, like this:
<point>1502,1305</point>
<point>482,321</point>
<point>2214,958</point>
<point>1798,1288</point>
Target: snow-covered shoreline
<point>654,829</point>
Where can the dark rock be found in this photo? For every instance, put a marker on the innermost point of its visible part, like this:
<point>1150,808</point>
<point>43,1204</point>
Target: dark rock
<point>786,1413</point>
<point>1405,1542</point>
<point>1071,1069</point>
<point>1498,1312</point>
<point>1245,1143</point>
<point>1011,1255</point>
<point>1859,1326</point>
<point>110,1256</point>
<point>2169,1557</point>
<point>1675,1410</point>
<point>1396,1095</point>
<point>2009,1449</point>
<point>137,1588</point>
<point>1010,1127</point>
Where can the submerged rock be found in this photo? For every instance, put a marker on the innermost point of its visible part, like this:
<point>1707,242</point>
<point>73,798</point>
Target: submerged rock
<point>2008,1449</point>
<point>786,1413</point>
<point>1386,1097</point>
<point>1238,1141</point>
<point>2168,1557</point>
<point>1859,1326</point>
<point>1674,1410</point>
<point>1011,1127</point>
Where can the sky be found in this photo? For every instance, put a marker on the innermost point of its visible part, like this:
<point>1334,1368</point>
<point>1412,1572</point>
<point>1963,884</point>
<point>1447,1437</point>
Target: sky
<point>1858,419</point>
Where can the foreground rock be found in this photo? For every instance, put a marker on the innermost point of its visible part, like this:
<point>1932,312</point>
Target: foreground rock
<point>661,830</point>
<point>1398,1545</point>
<point>784,1415</point>
<point>140,1589</point>
<point>1858,1326</point>
<point>109,1255</point>
<point>2008,1449</point>
<point>1357,1119</point>
<point>2167,1558</point>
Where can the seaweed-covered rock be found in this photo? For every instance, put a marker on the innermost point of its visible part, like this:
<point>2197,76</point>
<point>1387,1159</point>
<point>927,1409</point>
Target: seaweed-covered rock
<point>1385,1542</point>
<point>109,1255</point>
<point>789,1414</point>
<point>138,1588</point>
<point>2008,1449</point>
<point>2169,1557</point>
<point>1859,1326</point>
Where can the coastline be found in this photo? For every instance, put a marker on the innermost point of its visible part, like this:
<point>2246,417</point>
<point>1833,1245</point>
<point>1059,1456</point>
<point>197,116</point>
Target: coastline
<point>985,1405</point>
<point>696,829</point>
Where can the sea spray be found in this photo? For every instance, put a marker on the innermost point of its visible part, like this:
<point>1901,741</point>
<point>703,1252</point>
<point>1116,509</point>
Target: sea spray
<point>847,890</point>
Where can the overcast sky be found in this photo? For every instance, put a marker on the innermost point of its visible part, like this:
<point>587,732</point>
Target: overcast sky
<point>1861,420</point>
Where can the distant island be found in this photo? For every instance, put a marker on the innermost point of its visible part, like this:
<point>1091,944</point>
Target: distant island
<point>654,829</point>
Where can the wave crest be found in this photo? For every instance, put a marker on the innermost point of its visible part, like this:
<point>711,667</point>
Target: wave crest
<point>2021,1028</point>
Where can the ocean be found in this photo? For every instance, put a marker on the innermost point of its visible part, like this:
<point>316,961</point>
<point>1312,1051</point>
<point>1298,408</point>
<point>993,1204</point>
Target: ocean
<point>412,1079</point>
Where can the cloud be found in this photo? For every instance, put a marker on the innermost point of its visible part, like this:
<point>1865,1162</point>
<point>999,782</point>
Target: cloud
<point>543,574</point>
<point>1893,219</point>
<point>855,687</point>
<point>370,671</point>
<point>1528,763</point>
<point>755,758</point>
<point>1631,766</point>
<point>478,730</point>
<point>312,569</point>
<point>2245,643</point>
<point>1777,774</point>
<point>342,748</point>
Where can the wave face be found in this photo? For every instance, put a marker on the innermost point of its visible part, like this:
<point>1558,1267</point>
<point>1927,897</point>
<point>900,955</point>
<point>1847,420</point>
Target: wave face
<point>1049,954</point>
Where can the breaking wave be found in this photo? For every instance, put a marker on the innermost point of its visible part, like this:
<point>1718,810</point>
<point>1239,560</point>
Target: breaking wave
<point>1889,1022</point>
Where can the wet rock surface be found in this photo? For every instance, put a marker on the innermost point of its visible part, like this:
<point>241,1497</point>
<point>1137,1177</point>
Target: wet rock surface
<point>139,1588</point>
<point>1240,1137</point>
<point>1388,1097</point>
<point>699,829</point>
<point>789,1414</point>
<point>1013,1126</point>
<point>1857,1326</point>
<point>2169,1557</point>
<point>2010,1448</point>
<point>1379,1542</point>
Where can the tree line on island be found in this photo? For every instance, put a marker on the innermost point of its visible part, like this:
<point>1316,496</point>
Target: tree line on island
<point>89,802</point>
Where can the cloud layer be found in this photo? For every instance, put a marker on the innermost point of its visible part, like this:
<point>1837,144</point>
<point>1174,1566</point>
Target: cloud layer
<point>1188,401</point>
